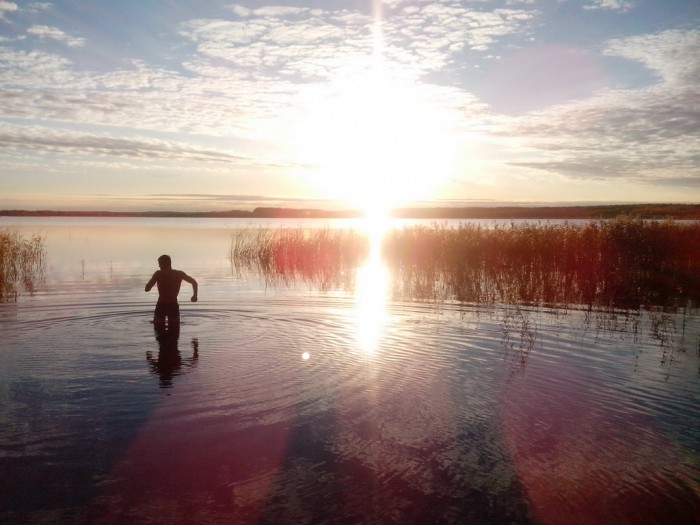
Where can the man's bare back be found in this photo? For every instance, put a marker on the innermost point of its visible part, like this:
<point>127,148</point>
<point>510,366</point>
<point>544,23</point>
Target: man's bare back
<point>169,282</point>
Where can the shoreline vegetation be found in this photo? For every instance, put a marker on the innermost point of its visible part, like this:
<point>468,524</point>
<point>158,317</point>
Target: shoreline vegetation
<point>21,264</point>
<point>623,263</point>
<point>644,211</point>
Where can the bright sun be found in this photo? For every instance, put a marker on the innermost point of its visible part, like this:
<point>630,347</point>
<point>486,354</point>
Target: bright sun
<point>375,140</point>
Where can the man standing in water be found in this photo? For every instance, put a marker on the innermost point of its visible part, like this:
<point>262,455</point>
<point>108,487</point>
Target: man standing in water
<point>168,281</point>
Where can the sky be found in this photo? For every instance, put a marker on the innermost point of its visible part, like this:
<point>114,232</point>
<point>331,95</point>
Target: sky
<point>190,105</point>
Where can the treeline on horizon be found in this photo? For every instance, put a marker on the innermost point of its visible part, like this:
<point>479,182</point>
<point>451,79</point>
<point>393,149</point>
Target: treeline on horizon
<point>609,211</point>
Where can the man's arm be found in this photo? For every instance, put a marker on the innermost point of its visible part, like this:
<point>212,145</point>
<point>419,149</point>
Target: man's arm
<point>150,283</point>
<point>194,286</point>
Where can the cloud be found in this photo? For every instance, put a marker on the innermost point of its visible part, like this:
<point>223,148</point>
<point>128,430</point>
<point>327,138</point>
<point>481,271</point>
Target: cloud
<point>282,45</point>
<point>252,80</point>
<point>195,202</point>
<point>648,134</point>
<point>7,7</point>
<point>243,80</point>
<point>610,5</point>
<point>437,30</point>
<point>40,6</point>
<point>53,33</point>
<point>318,44</point>
<point>261,200</point>
<point>280,11</point>
<point>45,140</point>
<point>241,11</point>
<point>208,100</point>
<point>673,54</point>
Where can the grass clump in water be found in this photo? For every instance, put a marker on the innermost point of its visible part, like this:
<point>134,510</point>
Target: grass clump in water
<point>21,263</point>
<point>324,256</point>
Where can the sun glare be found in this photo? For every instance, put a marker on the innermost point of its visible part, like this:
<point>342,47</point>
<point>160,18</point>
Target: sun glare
<point>374,137</point>
<point>372,288</point>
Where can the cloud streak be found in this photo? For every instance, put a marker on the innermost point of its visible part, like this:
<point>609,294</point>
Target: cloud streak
<point>46,140</point>
<point>610,5</point>
<point>648,134</point>
<point>53,33</point>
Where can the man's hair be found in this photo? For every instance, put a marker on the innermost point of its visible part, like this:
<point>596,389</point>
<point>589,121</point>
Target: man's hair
<point>165,262</point>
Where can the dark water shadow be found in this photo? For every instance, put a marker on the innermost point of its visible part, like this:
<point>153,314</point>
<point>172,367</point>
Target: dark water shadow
<point>168,363</point>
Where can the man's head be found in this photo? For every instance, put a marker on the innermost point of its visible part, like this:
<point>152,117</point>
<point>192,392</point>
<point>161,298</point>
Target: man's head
<point>164,262</point>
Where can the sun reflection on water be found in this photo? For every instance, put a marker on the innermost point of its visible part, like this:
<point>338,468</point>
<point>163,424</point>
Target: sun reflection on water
<point>372,287</point>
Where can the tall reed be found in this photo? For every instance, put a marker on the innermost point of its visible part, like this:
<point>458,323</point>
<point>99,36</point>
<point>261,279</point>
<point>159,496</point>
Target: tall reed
<point>326,257</point>
<point>21,263</point>
<point>624,263</point>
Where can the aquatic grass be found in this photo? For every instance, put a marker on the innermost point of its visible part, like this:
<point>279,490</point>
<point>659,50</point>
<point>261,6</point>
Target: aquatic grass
<point>21,263</point>
<point>625,263</point>
<point>325,257</point>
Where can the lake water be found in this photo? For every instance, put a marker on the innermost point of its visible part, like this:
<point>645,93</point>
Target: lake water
<point>294,403</point>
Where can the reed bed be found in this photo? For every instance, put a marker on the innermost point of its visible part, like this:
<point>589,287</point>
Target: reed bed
<point>626,263</point>
<point>21,263</point>
<point>323,257</point>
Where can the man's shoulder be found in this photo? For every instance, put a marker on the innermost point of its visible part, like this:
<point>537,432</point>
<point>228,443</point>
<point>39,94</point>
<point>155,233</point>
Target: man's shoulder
<point>180,274</point>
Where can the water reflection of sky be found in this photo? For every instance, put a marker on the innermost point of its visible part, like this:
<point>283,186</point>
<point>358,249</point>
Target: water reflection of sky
<point>115,257</point>
<point>90,255</point>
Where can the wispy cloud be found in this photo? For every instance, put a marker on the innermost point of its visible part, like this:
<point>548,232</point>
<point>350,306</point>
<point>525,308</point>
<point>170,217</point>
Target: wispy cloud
<point>673,54</point>
<point>7,7</point>
<point>46,140</point>
<point>321,43</point>
<point>610,5</point>
<point>648,135</point>
<point>53,33</point>
<point>37,7</point>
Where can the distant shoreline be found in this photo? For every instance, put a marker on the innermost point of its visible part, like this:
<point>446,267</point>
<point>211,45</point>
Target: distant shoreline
<point>646,211</point>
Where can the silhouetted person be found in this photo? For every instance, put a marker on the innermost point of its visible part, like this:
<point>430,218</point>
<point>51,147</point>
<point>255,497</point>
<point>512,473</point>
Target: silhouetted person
<point>168,281</point>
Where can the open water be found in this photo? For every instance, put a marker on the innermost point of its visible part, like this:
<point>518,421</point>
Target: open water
<point>291,404</point>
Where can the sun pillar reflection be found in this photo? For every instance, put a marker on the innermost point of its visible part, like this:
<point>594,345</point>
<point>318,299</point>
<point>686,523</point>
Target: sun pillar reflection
<point>372,278</point>
<point>371,288</point>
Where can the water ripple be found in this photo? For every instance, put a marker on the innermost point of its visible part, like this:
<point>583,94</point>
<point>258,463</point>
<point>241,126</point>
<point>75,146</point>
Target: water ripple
<point>456,407</point>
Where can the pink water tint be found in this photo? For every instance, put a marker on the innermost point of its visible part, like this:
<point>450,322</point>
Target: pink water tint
<point>189,464</point>
<point>581,461</point>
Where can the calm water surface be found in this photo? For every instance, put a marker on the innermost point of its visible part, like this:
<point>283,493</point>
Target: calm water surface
<point>292,405</point>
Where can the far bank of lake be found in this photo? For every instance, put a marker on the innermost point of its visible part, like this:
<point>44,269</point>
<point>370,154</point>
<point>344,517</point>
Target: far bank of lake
<point>645,211</point>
